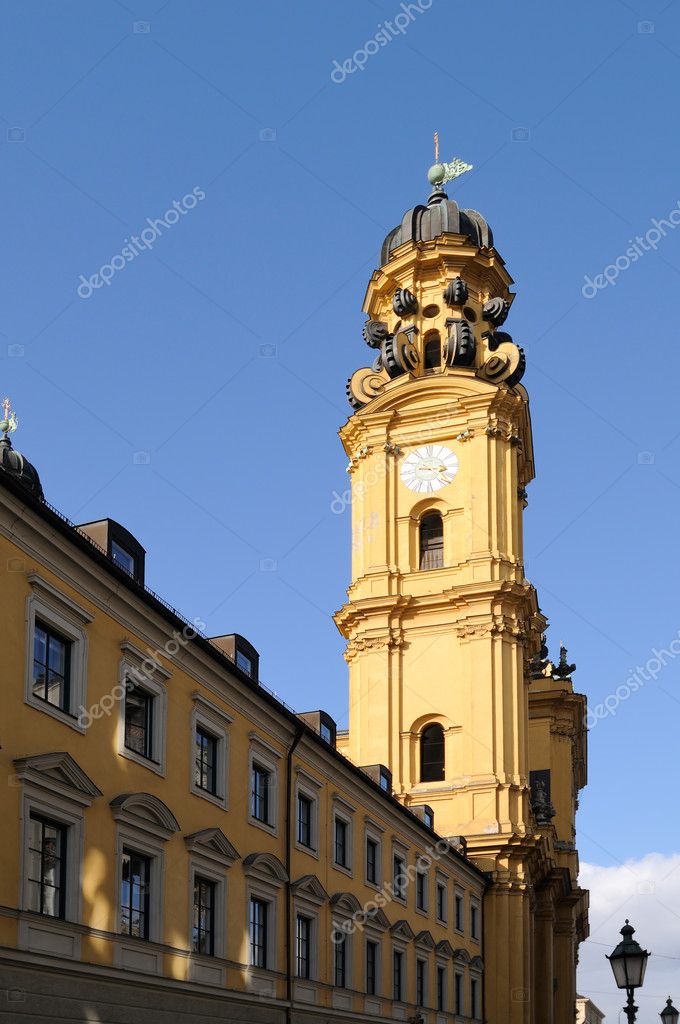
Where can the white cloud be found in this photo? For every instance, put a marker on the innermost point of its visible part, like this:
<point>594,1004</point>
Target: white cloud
<point>646,891</point>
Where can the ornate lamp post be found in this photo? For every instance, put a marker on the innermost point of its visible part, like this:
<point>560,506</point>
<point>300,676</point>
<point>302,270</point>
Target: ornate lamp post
<point>629,962</point>
<point>669,1015</point>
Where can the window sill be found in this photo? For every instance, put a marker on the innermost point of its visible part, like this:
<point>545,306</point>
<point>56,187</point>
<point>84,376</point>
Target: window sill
<point>271,830</point>
<point>213,798</point>
<point>344,868</point>
<point>145,762</point>
<point>65,717</point>
<point>309,850</point>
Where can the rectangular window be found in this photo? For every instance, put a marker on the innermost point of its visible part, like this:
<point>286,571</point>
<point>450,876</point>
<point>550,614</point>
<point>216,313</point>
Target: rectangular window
<point>441,988</point>
<point>303,935</point>
<point>458,993</point>
<point>428,817</point>
<point>397,975</point>
<point>421,890</point>
<point>51,667</point>
<point>304,820</point>
<point>420,983</point>
<point>459,912</point>
<point>326,733</point>
<point>205,761</point>
<point>259,793</point>
<point>244,663</point>
<point>135,894</point>
<point>339,959</point>
<point>474,998</point>
<point>259,925</point>
<point>203,927</point>
<point>474,921</point>
<point>371,968</point>
<point>371,861</point>
<point>139,722</point>
<point>399,878</point>
<point>341,850</point>
<point>46,866</point>
<point>441,901</point>
<point>122,558</point>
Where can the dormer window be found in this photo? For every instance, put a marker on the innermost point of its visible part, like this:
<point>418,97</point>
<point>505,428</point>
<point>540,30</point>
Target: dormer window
<point>122,558</point>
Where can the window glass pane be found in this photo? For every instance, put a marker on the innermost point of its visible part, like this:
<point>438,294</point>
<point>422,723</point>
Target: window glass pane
<point>46,866</point>
<point>431,541</point>
<point>122,558</point>
<point>244,662</point>
<point>138,704</point>
<point>258,932</point>
<point>432,753</point>
<point>51,667</point>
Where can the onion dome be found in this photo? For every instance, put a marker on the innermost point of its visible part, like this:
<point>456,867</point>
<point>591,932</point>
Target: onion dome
<point>13,462</point>
<point>441,216</point>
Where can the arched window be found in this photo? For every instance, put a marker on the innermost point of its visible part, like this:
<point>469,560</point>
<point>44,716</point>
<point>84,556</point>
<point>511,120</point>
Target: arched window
<point>431,535</point>
<point>432,754</point>
<point>433,352</point>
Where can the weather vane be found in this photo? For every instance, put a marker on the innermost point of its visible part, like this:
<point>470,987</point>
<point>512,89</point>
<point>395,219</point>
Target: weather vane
<point>9,421</point>
<point>440,173</point>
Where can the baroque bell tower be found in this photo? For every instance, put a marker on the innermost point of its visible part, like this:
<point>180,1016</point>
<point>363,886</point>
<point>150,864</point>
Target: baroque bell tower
<point>450,685</point>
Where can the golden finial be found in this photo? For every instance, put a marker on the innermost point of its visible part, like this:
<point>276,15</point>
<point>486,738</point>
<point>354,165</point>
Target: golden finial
<point>9,421</point>
<point>436,147</point>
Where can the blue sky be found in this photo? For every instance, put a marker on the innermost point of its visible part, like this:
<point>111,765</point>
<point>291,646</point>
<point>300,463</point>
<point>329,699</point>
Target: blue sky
<point>223,351</point>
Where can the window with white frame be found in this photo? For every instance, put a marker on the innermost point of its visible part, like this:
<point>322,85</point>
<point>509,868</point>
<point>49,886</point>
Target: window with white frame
<point>306,813</point>
<point>458,993</point>
<point>421,982</point>
<point>342,840</point>
<point>373,858</point>
<point>474,998</point>
<point>209,766</point>
<point>143,709</point>
<point>56,654</point>
<point>441,987</point>
<point>55,792</point>
<point>399,876</point>
<point>144,824</point>
<point>441,900</point>
<point>266,876</point>
<point>303,945</point>
<point>210,856</point>
<point>372,967</point>
<point>459,911</point>
<point>263,784</point>
<point>398,974</point>
<point>474,919</point>
<point>341,958</point>
<point>422,890</point>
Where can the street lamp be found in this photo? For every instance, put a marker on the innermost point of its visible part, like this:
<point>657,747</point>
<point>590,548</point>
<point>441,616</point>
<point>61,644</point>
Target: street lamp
<point>629,962</point>
<point>669,1015</point>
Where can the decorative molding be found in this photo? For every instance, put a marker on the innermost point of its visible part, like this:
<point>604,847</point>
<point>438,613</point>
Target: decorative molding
<point>146,812</point>
<point>212,843</point>
<point>57,772</point>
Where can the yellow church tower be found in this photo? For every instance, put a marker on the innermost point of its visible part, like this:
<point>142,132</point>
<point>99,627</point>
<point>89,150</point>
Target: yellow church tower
<point>450,685</point>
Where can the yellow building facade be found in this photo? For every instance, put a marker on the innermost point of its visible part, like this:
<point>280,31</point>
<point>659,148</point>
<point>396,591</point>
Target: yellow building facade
<point>450,685</point>
<point>177,844</point>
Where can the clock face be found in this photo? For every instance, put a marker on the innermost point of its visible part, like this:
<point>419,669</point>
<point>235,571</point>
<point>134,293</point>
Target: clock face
<point>429,468</point>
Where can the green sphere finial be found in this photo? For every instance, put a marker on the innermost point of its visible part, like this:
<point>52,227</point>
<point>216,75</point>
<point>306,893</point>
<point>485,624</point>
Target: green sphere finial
<point>436,173</point>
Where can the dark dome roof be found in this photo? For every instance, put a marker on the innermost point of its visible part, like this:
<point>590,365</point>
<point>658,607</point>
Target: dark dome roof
<point>20,468</point>
<point>441,216</point>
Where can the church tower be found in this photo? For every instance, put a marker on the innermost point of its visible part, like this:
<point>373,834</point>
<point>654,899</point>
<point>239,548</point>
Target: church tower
<point>450,685</point>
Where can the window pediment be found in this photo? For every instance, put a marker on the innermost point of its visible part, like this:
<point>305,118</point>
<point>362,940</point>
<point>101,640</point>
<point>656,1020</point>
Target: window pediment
<point>212,843</point>
<point>58,771</point>
<point>477,963</point>
<point>402,929</point>
<point>424,940</point>
<point>146,812</point>
<point>266,867</point>
<point>461,956</point>
<point>309,887</point>
<point>345,903</point>
<point>444,948</point>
